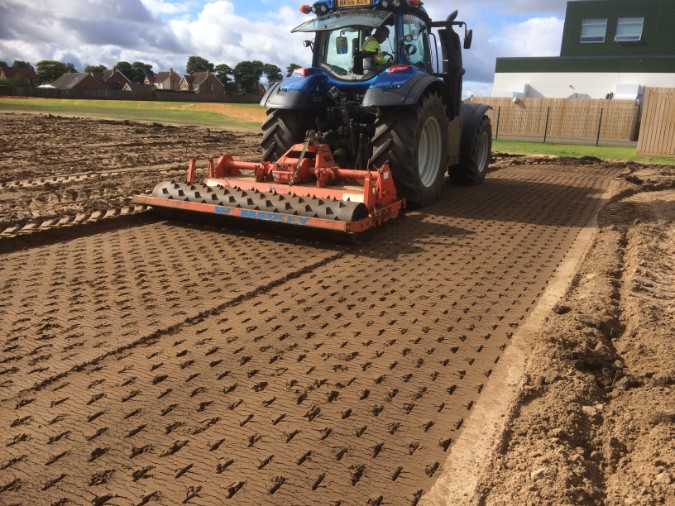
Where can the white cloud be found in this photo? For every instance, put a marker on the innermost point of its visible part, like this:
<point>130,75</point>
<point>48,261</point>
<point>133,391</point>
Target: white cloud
<point>165,33</point>
<point>534,37</point>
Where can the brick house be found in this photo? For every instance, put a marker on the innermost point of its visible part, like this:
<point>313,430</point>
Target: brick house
<point>20,73</point>
<point>113,79</point>
<point>164,80</point>
<point>203,83</point>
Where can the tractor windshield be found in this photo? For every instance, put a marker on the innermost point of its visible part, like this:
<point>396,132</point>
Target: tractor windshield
<point>341,38</point>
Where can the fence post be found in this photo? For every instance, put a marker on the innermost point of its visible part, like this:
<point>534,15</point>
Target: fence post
<point>597,139</point>
<point>548,111</point>
<point>499,114</point>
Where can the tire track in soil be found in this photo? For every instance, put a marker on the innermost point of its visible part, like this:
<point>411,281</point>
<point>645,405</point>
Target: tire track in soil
<point>346,384</point>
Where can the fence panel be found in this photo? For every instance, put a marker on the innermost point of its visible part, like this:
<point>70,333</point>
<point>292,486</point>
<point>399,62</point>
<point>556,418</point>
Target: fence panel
<point>574,120</point>
<point>657,134</point>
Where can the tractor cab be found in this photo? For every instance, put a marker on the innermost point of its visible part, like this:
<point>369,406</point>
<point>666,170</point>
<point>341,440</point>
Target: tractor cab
<point>341,35</point>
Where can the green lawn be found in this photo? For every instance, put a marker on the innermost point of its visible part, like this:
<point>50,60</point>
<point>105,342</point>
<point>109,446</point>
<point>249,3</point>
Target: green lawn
<point>577,151</point>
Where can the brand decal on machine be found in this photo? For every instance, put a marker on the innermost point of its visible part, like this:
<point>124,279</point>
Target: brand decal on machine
<point>263,215</point>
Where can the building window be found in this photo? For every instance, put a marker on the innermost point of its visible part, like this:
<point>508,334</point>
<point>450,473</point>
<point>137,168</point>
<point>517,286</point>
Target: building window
<point>629,29</point>
<point>593,30</point>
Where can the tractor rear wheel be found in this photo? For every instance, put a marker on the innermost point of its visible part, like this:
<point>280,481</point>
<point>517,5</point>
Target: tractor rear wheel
<point>282,129</point>
<point>413,140</point>
<point>473,163</point>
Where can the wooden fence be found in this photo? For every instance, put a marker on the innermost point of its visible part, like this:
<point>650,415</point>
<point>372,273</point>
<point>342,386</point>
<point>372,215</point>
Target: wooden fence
<point>657,135</point>
<point>564,120</point>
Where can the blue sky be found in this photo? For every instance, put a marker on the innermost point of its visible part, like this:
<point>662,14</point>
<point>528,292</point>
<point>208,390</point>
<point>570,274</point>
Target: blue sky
<point>164,33</point>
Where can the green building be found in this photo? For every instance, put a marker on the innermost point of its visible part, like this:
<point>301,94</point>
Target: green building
<point>610,48</point>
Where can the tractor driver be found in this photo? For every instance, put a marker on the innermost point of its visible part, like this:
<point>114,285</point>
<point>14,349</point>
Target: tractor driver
<point>372,44</point>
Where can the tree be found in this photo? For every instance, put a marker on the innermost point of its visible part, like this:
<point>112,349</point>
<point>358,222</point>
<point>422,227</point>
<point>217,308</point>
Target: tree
<point>50,70</point>
<point>198,64</point>
<point>247,75</point>
<point>3,63</point>
<point>291,68</point>
<point>273,73</point>
<point>95,69</point>
<point>135,72</point>
<point>18,64</point>
<point>223,73</point>
<point>140,70</point>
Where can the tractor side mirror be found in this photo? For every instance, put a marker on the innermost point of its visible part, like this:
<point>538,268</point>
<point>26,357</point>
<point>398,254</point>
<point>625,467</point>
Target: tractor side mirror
<point>467,39</point>
<point>341,46</point>
<point>307,43</point>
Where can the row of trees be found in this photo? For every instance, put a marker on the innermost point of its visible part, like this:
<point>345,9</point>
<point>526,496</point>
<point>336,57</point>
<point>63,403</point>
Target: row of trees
<point>245,75</point>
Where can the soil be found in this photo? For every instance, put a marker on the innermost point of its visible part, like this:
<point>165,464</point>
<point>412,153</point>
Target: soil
<point>510,344</point>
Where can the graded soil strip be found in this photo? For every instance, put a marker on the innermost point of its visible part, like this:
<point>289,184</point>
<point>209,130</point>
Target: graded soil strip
<point>55,167</point>
<point>346,383</point>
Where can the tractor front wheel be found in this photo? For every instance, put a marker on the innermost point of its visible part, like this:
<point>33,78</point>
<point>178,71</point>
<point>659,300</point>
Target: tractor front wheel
<point>413,140</point>
<point>473,164</point>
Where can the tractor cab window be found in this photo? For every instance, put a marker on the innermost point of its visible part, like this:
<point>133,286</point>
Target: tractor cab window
<point>415,42</point>
<point>340,39</point>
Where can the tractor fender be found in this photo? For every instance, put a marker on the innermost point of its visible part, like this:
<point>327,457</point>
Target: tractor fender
<point>296,93</point>
<point>471,114</point>
<point>400,89</point>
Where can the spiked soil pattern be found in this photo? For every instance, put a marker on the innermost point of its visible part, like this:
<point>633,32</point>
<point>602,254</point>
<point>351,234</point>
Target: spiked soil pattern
<point>148,361</point>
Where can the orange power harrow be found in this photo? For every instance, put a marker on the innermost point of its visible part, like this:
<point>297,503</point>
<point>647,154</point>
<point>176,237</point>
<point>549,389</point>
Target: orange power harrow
<point>305,187</point>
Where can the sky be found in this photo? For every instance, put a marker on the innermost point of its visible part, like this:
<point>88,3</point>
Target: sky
<point>165,33</point>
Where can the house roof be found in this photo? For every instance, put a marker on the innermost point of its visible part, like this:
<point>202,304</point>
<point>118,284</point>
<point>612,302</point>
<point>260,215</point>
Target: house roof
<point>25,72</point>
<point>200,77</point>
<point>106,75</point>
<point>163,76</point>
<point>70,80</point>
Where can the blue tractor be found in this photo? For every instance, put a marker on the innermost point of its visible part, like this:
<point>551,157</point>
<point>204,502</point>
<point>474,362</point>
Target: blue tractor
<point>400,105</point>
<point>371,127</point>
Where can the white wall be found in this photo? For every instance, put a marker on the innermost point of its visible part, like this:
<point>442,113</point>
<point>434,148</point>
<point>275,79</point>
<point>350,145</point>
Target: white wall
<point>562,84</point>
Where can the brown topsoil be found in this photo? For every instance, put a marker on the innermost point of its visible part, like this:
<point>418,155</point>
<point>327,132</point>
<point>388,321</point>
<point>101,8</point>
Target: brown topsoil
<point>511,344</point>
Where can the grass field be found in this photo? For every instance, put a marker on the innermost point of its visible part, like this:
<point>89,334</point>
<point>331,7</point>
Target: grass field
<point>251,116</point>
<point>577,151</point>
<point>240,116</point>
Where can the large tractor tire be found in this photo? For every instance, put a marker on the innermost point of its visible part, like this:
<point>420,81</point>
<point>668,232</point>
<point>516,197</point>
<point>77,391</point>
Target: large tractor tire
<point>473,163</point>
<point>282,129</point>
<point>413,140</point>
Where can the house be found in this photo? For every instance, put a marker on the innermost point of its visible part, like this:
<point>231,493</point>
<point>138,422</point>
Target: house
<point>78,81</point>
<point>610,49</point>
<point>19,74</point>
<point>164,80</point>
<point>202,83</point>
<point>113,79</point>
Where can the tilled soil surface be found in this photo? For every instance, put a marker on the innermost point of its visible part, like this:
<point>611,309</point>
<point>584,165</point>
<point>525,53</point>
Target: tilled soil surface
<point>145,361</point>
